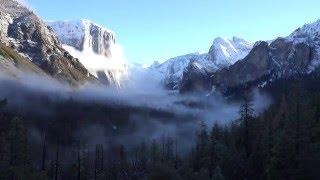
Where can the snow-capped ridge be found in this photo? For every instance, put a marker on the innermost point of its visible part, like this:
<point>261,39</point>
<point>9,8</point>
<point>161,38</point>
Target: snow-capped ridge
<point>311,30</point>
<point>79,22</point>
<point>84,34</point>
<point>226,52</point>
<point>223,53</point>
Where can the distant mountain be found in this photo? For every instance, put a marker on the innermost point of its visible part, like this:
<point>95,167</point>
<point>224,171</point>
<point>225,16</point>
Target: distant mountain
<point>95,46</point>
<point>295,55</point>
<point>171,71</point>
<point>25,33</point>
<point>230,64</point>
<point>80,51</point>
<point>223,53</point>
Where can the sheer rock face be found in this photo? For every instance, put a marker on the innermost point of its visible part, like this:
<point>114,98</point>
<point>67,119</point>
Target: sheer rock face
<point>26,33</point>
<point>96,48</point>
<point>101,40</point>
<point>84,34</point>
<point>292,57</point>
<point>256,64</point>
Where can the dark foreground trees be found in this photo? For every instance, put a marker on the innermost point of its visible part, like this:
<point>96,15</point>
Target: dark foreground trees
<point>281,143</point>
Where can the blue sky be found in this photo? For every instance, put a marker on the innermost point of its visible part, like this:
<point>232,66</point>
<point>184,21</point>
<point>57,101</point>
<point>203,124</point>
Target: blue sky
<point>151,30</point>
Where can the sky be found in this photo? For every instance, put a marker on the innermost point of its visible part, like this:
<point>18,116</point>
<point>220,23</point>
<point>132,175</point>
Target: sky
<point>156,30</point>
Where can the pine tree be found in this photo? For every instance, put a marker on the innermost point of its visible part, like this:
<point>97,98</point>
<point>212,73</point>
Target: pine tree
<point>98,162</point>
<point>57,161</point>
<point>154,152</point>
<point>246,112</point>
<point>214,143</point>
<point>4,148</point>
<point>123,161</point>
<point>200,158</point>
<point>142,155</point>
<point>44,152</point>
<point>19,158</point>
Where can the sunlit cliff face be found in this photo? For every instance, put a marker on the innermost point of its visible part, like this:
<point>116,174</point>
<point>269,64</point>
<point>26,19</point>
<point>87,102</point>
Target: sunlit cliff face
<point>95,47</point>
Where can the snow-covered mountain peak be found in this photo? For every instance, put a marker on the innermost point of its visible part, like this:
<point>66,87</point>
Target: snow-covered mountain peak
<point>84,35</point>
<point>177,64</point>
<point>171,71</point>
<point>240,42</point>
<point>223,53</point>
<point>219,40</point>
<point>94,45</point>
<point>234,42</point>
<point>88,22</point>
<point>226,52</point>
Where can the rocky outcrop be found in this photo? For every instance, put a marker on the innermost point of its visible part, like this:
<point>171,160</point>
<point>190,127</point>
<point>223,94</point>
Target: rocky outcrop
<point>257,64</point>
<point>291,57</point>
<point>195,79</point>
<point>27,34</point>
<point>13,64</point>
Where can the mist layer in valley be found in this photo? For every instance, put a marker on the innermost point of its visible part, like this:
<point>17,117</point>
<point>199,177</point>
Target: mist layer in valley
<point>138,112</point>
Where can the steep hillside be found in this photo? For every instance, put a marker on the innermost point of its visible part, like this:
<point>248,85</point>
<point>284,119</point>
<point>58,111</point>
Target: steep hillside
<point>25,32</point>
<point>12,63</point>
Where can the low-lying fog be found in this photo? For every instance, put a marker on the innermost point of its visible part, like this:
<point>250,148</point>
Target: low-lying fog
<point>146,110</point>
